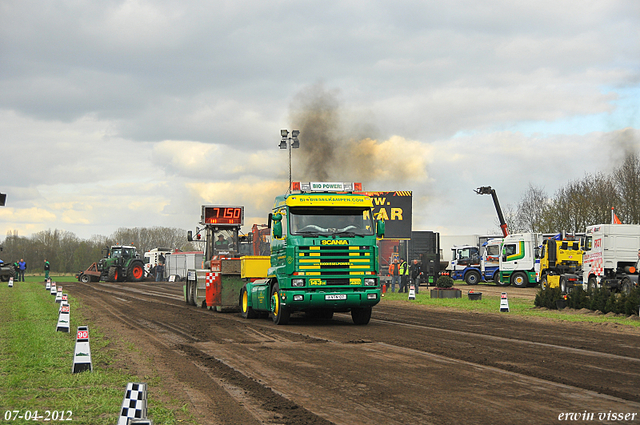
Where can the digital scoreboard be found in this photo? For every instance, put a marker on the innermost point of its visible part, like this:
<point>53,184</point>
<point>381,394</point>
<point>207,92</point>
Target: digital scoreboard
<point>223,215</point>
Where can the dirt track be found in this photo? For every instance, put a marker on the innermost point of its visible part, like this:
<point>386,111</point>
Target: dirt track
<point>411,364</point>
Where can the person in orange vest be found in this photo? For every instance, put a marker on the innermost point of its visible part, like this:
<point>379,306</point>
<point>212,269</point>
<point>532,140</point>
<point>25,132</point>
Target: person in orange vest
<point>394,271</point>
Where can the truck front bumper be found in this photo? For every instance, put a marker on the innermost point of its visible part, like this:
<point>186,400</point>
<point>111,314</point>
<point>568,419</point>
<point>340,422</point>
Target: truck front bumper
<point>335,300</point>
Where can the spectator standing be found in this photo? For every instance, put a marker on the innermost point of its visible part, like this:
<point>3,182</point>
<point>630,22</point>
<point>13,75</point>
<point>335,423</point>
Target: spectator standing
<point>404,275</point>
<point>47,267</point>
<point>394,271</point>
<point>22,267</point>
<point>415,271</point>
<point>159,272</point>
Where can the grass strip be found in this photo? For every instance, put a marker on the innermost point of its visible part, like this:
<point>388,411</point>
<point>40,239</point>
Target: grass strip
<point>517,306</point>
<point>36,362</point>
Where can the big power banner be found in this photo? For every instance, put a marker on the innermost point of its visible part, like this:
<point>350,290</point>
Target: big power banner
<point>395,208</point>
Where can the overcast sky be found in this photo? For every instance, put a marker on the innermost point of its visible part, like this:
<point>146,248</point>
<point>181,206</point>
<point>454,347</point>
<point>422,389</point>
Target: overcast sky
<point>134,113</point>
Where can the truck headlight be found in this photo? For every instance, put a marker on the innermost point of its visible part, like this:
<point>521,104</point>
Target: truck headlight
<point>370,282</point>
<point>298,297</point>
<point>372,296</point>
<point>297,283</point>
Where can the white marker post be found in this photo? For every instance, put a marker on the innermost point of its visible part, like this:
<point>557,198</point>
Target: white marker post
<point>504,303</point>
<point>63,319</point>
<point>10,282</point>
<point>82,356</point>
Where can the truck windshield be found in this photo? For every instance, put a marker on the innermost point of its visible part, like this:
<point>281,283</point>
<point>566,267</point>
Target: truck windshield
<point>349,222</point>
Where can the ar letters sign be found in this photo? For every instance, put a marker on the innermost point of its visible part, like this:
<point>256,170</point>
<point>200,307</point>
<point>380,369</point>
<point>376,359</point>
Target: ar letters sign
<point>395,208</point>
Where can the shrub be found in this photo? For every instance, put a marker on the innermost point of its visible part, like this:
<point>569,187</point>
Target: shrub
<point>578,298</point>
<point>444,282</point>
<point>599,298</point>
<point>548,298</point>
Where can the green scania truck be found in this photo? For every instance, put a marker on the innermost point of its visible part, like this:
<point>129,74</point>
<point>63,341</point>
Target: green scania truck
<point>324,257</point>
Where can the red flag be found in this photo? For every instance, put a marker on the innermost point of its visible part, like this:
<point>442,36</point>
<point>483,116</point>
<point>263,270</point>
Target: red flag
<point>614,218</point>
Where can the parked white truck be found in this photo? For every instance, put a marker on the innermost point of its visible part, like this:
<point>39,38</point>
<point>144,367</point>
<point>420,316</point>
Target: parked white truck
<point>519,262</point>
<point>177,264</point>
<point>611,255</point>
<point>153,257</point>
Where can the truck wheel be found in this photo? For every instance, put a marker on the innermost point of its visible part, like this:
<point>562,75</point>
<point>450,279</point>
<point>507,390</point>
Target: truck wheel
<point>279,313</point>
<point>496,277</point>
<point>543,283</point>
<point>519,280</point>
<point>563,285</point>
<point>361,315</point>
<point>592,283</point>
<point>113,274</point>
<point>85,278</point>
<point>472,277</point>
<point>135,273</point>
<point>247,312</point>
<point>626,285</point>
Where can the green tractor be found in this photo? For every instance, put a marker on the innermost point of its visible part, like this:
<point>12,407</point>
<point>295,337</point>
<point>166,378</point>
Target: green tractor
<point>121,263</point>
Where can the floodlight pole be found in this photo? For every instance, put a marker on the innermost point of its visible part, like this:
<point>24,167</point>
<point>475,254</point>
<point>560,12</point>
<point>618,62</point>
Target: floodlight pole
<point>289,143</point>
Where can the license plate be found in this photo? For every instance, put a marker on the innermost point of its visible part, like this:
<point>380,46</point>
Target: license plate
<point>336,297</point>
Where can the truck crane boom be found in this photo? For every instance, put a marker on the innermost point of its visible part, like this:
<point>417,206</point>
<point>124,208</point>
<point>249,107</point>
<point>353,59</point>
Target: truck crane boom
<point>487,190</point>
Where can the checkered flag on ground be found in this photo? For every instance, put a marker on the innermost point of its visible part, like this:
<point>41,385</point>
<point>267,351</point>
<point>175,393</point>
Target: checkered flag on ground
<point>134,405</point>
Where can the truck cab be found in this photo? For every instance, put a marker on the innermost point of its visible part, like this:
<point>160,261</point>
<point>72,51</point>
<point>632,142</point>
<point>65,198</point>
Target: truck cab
<point>519,262</point>
<point>323,258</point>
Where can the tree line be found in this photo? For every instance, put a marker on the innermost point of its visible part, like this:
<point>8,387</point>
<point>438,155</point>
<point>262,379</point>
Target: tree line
<point>68,253</point>
<point>581,203</point>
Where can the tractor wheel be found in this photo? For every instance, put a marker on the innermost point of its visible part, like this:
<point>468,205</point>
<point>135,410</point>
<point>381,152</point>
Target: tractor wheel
<point>247,312</point>
<point>135,272</point>
<point>361,315</point>
<point>520,280</point>
<point>472,278</point>
<point>279,313</point>
<point>85,278</point>
<point>113,274</point>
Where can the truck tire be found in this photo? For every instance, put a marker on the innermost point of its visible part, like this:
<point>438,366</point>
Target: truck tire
<point>496,277</point>
<point>361,315</point>
<point>544,284</point>
<point>135,272</point>
<point>85,278</point>
<point>279,313</point>
<point>246,311</point>
<point>563,285</point>
<point>472,277</point>
<point>113,274</point>
<point>592,283</point>
<point>626,285</point>
<point>520,280</point>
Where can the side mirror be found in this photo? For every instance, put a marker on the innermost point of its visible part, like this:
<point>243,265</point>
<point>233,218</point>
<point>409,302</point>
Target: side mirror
<point>504,257</point>
<point>190,236</point>
<point>269,221</point>
<point>277,226</point>
<point>380,228</point>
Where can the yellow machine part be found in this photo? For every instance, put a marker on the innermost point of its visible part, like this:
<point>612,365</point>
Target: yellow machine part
<point>553,281</point>
<point>254,266</point>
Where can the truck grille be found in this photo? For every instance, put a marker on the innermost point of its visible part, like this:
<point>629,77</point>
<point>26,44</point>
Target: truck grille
<point>335,265</point>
